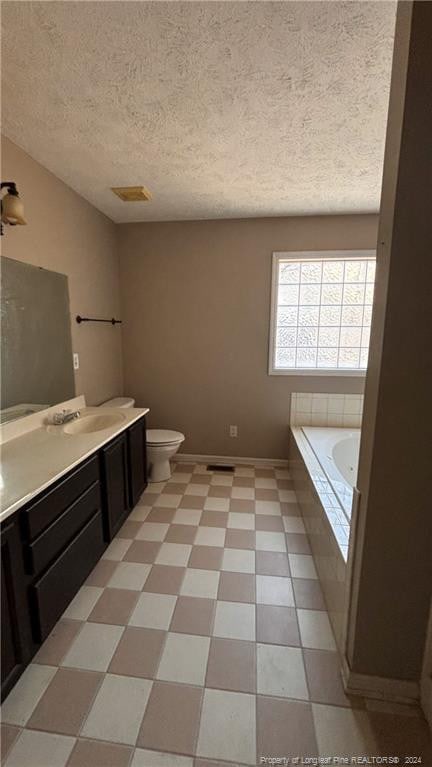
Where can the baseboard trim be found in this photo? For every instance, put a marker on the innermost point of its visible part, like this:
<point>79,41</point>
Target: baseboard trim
<point>235,460</point>
<point>426,698</point>
<point>379,688</point>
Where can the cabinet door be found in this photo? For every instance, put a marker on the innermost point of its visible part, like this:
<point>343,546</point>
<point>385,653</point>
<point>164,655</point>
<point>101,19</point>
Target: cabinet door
<point>15,618</point>
<point>115,485</point>
<point>137,461</point>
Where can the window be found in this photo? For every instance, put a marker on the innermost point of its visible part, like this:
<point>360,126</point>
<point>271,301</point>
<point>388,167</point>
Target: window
<point>321,312</point>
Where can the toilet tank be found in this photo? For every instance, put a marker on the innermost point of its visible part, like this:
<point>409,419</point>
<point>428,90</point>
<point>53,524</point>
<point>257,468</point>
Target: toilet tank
<point>119,402</point>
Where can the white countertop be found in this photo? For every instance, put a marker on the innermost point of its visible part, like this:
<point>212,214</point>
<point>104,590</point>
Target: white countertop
<point>35,460</point>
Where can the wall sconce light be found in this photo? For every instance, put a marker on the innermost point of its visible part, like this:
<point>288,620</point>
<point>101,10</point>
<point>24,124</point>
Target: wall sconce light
<point>12,208</point>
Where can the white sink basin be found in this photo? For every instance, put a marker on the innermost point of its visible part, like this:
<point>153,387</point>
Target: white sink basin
<point>87,424</point>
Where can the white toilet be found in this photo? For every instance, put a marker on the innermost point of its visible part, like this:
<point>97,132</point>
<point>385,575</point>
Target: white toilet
<point>162,444</point>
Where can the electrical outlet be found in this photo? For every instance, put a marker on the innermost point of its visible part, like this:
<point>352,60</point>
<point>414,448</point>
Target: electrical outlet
<point>233,431</point>
<point>76,361</point>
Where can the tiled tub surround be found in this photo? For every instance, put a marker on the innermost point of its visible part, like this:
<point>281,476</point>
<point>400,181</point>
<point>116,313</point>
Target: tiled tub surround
<point>337,453</point>
<point>334,496</point>
<point>329,411</point>
<point>201,635</point>
<point>325,524</point>
<point>326,409</point>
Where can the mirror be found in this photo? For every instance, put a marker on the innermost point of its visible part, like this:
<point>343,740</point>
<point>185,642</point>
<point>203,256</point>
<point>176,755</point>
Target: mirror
<point>36,343</point>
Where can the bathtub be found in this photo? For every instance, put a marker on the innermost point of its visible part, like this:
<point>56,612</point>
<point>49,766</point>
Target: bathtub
<point>337,451</point>
<point>323,465</point>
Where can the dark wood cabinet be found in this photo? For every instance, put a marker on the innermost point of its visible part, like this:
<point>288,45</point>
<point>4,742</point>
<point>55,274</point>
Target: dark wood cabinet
<point>15,616</point>
<point>53,591</point>
<point>49,547</point>
<point>124,475</point>
<point>50,543</point>
<point>47,506</point>
<point>115,485</point>
<point>137,461</point>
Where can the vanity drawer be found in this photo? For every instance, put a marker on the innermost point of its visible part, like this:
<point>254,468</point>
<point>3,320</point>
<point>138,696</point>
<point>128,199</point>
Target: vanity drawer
<point>53,502</point>
<point>52,593</point>
<point>48,545</point>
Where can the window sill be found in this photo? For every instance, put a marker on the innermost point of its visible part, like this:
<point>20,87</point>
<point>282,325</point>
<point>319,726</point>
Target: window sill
<point>314,373</point>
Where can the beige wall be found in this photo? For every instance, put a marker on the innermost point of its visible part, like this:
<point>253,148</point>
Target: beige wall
<point>196,305</point>
<point>67,234</point>
<point>392,580</point>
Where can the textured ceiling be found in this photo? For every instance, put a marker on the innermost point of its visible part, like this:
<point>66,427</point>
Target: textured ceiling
<point>221,109</point>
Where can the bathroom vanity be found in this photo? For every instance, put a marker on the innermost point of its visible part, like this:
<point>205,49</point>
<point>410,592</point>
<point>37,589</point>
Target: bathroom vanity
<point>70,474</point>
<point>53,536</point>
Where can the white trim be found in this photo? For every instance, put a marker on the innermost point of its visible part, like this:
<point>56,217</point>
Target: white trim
<point>319,255</point>
<point>229,459</point>
<point>426,676</point>
<point>312,255</point>
<point>273,309</point>
<point>379,688</point>
<point>334,372</point>
<point>426,698</point>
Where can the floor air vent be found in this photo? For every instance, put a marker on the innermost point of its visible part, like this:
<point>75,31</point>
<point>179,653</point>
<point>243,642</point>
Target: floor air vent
<point>220,467</point>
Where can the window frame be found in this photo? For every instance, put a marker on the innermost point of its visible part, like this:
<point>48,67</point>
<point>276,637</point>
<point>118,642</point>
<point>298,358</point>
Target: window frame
<point>303,255</point>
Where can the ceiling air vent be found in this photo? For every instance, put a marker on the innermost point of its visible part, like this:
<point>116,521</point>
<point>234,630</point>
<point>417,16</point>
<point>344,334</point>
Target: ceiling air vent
<point>132,193</point>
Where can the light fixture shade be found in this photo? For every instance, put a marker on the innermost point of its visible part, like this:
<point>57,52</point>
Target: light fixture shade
<point>12,210</point>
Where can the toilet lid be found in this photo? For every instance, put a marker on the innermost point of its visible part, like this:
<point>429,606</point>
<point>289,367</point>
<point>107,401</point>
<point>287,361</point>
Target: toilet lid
<point>163,436</point>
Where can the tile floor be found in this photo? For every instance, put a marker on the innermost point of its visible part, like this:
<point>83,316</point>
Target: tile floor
<point>201,638</point>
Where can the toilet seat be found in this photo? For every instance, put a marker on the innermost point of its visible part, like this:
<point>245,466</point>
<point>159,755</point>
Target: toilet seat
<point>162,437</point>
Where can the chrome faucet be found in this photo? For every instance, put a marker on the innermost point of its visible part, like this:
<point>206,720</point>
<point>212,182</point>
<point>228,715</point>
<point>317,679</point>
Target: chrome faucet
<point>65,416</point>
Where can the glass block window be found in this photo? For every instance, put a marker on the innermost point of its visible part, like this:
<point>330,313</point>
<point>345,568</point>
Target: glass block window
<point>321,312</point>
